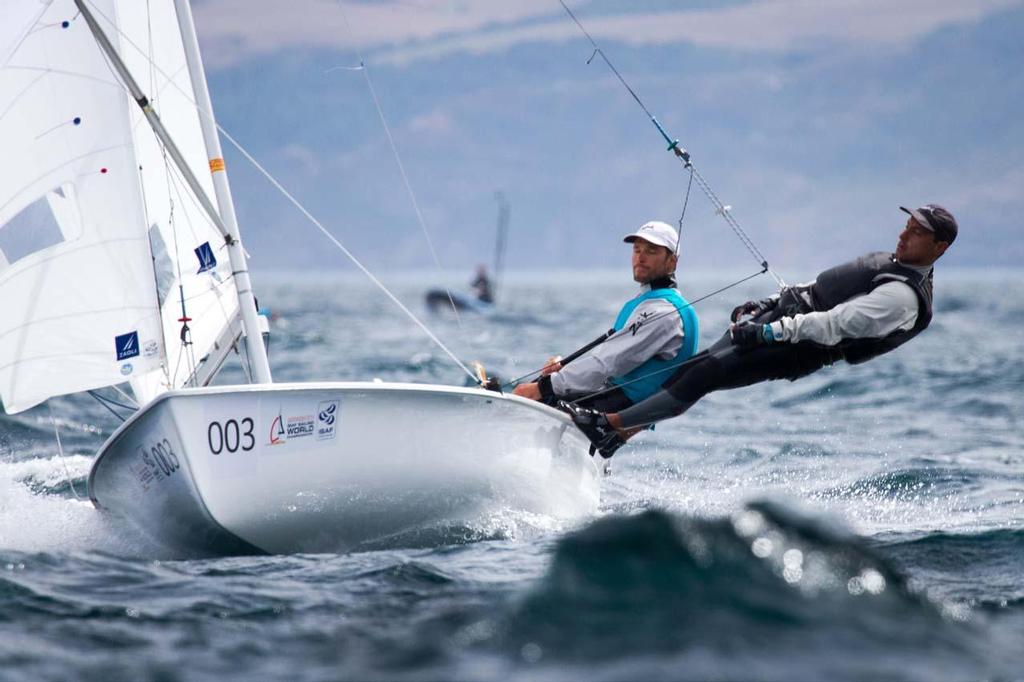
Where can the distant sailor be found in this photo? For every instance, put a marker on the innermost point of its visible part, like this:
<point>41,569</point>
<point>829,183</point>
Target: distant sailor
<point>656,330</point>
<point>853,312</point>
<point>482,285</point>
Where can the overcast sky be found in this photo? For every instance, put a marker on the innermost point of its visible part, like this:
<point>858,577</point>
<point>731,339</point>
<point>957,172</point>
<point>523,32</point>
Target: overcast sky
<point>813,120</point>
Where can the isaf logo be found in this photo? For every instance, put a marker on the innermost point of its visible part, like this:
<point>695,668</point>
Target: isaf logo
<point>327,414</point>
<point>327,417</point>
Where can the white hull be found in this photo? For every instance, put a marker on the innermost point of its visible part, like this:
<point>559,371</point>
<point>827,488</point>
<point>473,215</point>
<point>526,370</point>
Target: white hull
<point>329,467</point>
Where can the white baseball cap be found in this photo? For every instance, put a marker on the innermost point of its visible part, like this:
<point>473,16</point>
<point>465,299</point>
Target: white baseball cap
<point>658,233</point>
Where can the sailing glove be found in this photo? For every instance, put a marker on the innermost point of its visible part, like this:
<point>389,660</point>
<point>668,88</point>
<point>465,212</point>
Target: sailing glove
<point>751,335</point>
<point>547,393</point>
<point>594,425</point>
<point>753,308</point>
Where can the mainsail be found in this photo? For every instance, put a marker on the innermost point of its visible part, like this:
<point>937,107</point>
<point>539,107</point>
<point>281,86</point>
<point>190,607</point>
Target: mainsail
<point>101,242</point>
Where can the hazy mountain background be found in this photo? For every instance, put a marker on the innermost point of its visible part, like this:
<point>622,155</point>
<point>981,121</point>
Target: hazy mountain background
<point>813,120</point>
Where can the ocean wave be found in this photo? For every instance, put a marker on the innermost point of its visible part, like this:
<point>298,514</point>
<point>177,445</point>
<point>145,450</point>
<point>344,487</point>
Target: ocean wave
<point>979,568</point>
<point>410,574</point>
<point>662,584</point>
<point>931,480</point>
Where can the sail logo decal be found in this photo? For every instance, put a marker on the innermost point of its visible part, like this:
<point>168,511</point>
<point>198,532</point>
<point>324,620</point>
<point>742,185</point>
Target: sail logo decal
<point>127,345</point>
<point>207,261</point>
<point>286,428</point>
<point>326,418</point>
<point>277,436</point>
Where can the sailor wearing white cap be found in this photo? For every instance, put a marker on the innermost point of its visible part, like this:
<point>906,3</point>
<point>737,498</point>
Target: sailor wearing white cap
<point>654,331</point>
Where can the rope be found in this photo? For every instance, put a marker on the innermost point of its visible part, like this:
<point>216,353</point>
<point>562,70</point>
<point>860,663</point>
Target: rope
<point>397,157</point>
<point>673,146</point>
<point>60,452</point>
<point>126,397</point>
<point>682,214</point>
<point>609,389</point>
<point>316,223</point>
<point>295,202</point>
<point>107,402</point>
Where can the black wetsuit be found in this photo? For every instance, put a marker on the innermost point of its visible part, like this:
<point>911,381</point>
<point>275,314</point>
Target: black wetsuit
<point>724,365</point>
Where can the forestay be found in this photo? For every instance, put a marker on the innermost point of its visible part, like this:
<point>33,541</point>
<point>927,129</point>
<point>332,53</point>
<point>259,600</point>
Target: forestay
<point>100,240</point>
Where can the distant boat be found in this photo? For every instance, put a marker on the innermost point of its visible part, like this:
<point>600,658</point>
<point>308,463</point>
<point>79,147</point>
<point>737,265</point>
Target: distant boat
<point>120,260</point>
<point>439,300</point>
<point>484,287</point>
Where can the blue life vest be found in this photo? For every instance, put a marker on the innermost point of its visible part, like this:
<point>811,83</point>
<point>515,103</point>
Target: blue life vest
<point>646,379</point>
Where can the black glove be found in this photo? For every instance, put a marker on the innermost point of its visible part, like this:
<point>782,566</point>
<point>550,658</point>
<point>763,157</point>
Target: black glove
<point>753,308</point>
<point>594,425</point>
<point>751,335</point>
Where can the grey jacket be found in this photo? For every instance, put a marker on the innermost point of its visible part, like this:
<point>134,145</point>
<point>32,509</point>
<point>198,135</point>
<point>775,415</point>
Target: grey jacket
<point>653,330</point>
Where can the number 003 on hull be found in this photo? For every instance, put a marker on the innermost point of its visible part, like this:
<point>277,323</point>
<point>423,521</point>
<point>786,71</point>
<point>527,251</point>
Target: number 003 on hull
<point>328,467</point>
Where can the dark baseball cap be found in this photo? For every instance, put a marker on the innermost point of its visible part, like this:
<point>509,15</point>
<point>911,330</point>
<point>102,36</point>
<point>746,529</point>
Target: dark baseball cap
<point>935,219</point>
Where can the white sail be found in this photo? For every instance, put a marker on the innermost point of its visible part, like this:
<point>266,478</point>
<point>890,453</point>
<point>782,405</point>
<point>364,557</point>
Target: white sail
<point>178,225</point>
<point>83,270</point>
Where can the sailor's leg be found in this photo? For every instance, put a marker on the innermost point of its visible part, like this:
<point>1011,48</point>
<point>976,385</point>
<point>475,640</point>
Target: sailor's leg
<point>668,403</point>
<point>611,400</point>
<point>721,367</point>
<point>662,405</point>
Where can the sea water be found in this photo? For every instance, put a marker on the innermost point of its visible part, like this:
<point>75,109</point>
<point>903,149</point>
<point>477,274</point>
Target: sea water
<point>863,523</point>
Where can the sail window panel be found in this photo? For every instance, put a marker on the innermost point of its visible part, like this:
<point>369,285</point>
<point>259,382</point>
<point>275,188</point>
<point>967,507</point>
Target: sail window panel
<point>163,266</point>
<point>50,220</point>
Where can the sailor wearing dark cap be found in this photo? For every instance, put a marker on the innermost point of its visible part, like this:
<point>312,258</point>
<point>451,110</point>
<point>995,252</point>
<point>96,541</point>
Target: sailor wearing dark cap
<point>853,312</point>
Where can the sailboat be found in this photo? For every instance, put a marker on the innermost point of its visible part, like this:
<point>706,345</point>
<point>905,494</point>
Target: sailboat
<point>482,300</point>
<point>121,262</point>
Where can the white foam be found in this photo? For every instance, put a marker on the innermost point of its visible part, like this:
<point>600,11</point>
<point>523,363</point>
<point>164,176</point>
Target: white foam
<point>35,520</point>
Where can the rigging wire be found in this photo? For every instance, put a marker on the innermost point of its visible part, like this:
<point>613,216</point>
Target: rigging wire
<point>682,214</point>
<point>60,452</point>
<point>394,150</point>
<point>298,205</point>
<point>126,397</point>
<point>355,261</point>
<point>673,146</point>
<point>107,402</point>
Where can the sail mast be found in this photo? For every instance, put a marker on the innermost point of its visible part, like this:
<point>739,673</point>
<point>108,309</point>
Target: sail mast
<point>222,190</point>
<point>247,303</point>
